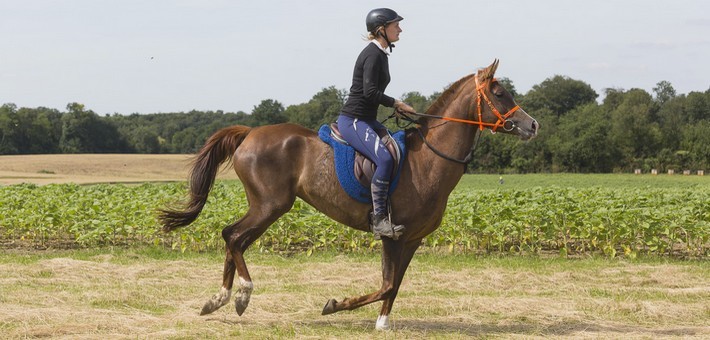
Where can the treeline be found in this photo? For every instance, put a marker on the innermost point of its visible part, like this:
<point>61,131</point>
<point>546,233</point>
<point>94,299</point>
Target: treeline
<point>629,129</point>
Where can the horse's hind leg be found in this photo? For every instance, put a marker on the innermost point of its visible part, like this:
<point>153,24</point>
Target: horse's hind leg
<point>222,297</point>
<point>238,237</point>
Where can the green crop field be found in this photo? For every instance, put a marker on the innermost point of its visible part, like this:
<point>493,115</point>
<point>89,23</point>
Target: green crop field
<point>566,214</point>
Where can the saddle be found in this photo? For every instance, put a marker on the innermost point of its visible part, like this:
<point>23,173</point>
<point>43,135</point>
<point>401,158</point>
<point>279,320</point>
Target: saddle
<point>364,168</point>
<point>355,171</point>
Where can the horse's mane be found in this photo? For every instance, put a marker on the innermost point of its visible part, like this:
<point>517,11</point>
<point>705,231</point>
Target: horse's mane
<point>448,95</point>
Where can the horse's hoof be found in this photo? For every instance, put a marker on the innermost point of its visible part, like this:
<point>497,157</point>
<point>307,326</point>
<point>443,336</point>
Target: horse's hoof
<point>218,300</point>
<point>329,307</point>
<point>208,308</point>
<point>240,307</point>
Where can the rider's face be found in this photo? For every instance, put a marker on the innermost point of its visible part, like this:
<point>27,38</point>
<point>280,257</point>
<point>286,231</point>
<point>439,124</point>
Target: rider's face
<point>393,30</point>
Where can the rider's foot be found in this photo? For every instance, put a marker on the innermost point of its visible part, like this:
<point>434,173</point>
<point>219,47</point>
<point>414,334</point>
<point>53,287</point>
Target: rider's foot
<point>382,227</point>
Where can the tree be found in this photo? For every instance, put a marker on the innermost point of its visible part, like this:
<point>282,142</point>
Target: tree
<point>633,128</point>
<point>416,100</point>
<point>83,131</point>
<point>145,140</point>
<point>672,119</point>
<point>323,108</point>
<point>612,98</point>
<point>697,107</point>
<point>508,84</point>
<point>268,112</point>
<point>8,129</point>
<point>664,91</point>
<point>559,94</point>
<point>186,141</point>
<point>582,143</point>
<point>696,142</point>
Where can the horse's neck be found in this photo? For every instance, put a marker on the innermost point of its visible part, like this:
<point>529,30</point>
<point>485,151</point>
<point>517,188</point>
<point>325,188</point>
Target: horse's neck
<point>454,138</point>
<point>450,138</point>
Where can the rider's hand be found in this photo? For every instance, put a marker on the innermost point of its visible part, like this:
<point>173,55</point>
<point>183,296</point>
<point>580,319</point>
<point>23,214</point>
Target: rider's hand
<point>402,107</point>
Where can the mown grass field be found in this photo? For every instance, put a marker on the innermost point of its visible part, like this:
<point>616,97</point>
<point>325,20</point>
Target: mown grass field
<point>540,256</point>
<point>157,293</point>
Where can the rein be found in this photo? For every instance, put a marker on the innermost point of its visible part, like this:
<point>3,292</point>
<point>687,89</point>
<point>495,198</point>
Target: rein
<point>502,121</point>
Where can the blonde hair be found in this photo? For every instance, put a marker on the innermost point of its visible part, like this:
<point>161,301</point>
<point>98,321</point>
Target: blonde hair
<point>372,36</point>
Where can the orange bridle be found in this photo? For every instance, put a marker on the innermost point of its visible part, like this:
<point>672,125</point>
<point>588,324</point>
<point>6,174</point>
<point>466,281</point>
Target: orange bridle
<point>502,118</point>
<point>481,94</point>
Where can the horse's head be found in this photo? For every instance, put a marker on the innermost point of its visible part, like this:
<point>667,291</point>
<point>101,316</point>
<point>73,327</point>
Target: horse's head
<point>497,108</point>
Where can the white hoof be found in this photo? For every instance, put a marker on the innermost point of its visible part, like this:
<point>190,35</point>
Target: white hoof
<point>218,300</point>
<point>383,323</point>
<point>242,300</point>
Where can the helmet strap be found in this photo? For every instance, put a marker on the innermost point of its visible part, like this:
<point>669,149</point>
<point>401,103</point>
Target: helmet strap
<point>383,33</point>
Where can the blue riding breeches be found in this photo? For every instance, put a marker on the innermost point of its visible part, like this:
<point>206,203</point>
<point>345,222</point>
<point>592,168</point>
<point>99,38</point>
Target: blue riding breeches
<point>364,136</point>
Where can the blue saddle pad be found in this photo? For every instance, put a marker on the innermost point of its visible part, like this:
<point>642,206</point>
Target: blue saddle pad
<point>344,156</point>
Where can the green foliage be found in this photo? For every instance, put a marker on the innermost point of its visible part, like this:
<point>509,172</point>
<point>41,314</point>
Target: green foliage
<point>29,131</point>
<point>268,112</point>
<point>323,108</point>
<point>174,132</point>
<point>630,129</point>
<point>558,94</point>
<point>612,220</point>
<point>85,132</point>
<point>696,142</point>
<point>664,91</point>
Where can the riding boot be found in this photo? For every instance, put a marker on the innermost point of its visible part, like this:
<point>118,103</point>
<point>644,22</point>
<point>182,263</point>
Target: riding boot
<point>380,221</point>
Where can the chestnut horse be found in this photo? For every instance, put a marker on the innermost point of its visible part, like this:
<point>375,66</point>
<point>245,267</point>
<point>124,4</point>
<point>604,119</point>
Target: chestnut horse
<point>278,163</point>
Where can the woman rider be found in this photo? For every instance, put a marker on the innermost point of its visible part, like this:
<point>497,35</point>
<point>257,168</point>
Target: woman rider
<point>358,118</point>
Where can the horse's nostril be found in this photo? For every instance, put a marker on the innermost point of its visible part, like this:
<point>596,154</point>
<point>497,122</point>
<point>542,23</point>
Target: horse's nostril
<point>535,126</point>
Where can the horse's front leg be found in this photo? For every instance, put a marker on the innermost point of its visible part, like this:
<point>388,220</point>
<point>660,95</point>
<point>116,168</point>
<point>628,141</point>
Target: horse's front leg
<point>409,249</point>
<point>391,255</point>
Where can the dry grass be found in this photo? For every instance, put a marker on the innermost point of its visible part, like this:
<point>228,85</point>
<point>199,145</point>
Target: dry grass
<point>95,168</point>
<point>158,294</point>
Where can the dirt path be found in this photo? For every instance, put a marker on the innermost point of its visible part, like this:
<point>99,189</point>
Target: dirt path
<point>95,168</point>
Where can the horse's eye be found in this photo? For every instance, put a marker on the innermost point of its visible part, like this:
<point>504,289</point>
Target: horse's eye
<point>497,90</point>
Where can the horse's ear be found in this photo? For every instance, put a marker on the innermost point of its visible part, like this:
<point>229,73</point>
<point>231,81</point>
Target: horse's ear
<point>488,72</point>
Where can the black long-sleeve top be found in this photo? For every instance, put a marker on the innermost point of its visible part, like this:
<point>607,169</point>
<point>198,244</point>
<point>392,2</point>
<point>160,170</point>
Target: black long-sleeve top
<point>370,79</point>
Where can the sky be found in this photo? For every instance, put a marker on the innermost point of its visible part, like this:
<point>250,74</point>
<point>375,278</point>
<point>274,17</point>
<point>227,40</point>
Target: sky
<point>151,56</point>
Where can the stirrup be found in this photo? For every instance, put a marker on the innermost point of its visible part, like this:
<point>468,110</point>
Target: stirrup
<point>382,226</point>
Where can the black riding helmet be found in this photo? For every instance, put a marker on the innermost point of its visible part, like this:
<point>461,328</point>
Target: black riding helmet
<point>381,17</point>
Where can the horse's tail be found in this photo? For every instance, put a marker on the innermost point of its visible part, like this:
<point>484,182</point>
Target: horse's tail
<point>219,148</point>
